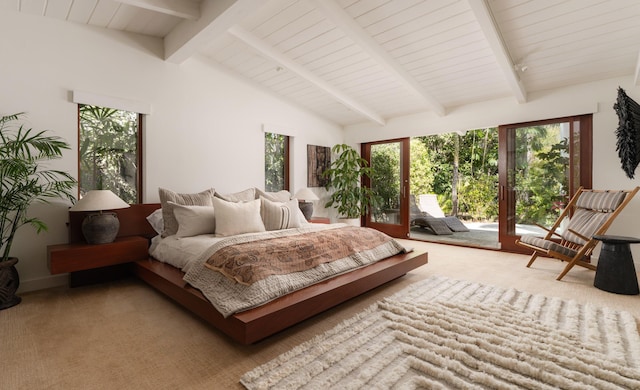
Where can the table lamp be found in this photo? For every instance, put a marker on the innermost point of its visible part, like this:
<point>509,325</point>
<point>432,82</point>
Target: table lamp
<point>305,195</point>
<point>100,227</point>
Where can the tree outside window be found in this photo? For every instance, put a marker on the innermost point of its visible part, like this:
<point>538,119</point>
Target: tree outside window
<point>109,154</point>
<point>276,162</point>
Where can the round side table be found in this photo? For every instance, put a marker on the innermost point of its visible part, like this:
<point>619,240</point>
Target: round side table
<point>616,272</point>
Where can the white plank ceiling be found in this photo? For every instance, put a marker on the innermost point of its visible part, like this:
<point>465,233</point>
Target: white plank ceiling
<point>353,61</point>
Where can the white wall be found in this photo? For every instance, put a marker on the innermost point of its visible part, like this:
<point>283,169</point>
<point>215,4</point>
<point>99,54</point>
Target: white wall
<point>597,98</point>
<point>204,130</point>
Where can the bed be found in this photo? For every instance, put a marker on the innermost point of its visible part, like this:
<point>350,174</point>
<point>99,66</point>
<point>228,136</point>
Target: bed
<point>254,324</point>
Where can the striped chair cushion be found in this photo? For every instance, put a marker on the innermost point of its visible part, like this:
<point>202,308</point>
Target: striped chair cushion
<point>586,222</point>
<point>606,201</point>
<point>547,245</point>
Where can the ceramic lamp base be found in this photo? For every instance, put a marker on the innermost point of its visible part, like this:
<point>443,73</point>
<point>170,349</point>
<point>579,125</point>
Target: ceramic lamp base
<point>307,209</point>
<point>100,228</point>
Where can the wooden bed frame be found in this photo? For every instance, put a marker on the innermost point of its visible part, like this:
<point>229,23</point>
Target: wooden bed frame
<point>255,324</point>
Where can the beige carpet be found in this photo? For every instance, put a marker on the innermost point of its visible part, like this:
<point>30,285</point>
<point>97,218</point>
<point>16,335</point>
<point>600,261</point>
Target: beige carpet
<point>125,335</point>
<point>444,333</point>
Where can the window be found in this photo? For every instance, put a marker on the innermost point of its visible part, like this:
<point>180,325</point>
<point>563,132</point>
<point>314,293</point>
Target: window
<point>110,154</point>
<point>276,162</point>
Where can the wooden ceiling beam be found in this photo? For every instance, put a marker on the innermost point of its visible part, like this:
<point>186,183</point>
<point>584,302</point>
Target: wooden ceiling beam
<point>336,14</point>
<point>491,32</point>
<point>275,55</point>
<point>186,9</point>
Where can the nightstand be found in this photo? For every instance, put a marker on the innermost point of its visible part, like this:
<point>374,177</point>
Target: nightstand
<point>319,220</point>
<point>88,263</point>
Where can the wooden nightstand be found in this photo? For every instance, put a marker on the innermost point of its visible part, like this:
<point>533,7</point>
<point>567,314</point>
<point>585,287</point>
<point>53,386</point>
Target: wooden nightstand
<point>80,258</point>
<point>319,220</point>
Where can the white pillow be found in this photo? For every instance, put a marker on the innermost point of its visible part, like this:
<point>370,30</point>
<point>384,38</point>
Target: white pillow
<point>237,217</point>
<point>156,221</point>
<point>203,198</point>
<point>194,220</point>
<point>280,196</point>
<point>242,196</point>
<point>279,215</point>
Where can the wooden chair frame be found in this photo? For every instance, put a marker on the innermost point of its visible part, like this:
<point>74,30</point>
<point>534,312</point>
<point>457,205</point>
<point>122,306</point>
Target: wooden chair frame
<point>583,251</point>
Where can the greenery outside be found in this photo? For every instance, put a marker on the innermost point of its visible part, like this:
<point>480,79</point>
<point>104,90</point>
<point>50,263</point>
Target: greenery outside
<point>463,171</point>
<point>109,151</point>
<point>274,162</point>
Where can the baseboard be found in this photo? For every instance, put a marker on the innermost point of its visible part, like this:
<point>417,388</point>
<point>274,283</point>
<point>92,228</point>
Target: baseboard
<point>43,283</point>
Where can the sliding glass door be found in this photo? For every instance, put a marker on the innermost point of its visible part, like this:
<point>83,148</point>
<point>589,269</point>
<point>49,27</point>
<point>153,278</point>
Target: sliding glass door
<point>390,184</point>
<point>541,165</point>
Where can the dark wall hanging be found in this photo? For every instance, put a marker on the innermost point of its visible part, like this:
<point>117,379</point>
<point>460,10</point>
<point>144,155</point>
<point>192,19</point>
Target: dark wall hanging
<point>628,132</point>
<point>318,160</point>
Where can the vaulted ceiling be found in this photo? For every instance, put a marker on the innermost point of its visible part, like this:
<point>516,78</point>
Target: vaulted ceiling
<point>352,61</point>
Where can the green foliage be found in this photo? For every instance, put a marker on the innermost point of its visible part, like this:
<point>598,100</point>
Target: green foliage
<point>385,177</point>
<point>23,153</point>
<point>476,156</point>
<point>542,182</point>
<point>540,173</point>
<point>421,174</point>
<point>274,158</point>
<point>108,151</point>
<point>351,199</point>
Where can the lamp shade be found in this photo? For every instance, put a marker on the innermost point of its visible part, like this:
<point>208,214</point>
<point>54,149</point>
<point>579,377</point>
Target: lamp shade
<point>100,228</point>
<point>97,200</point>
<point>306,194</point>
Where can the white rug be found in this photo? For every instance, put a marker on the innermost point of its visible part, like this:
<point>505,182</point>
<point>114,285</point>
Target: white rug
<point>443,333</point>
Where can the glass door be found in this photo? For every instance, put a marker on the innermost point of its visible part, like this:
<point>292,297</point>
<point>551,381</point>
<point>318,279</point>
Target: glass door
<point>541,165</point>
<point>390,184</point>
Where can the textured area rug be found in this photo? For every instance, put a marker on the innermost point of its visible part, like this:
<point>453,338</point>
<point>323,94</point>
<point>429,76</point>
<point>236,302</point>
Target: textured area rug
<point>443,333</point>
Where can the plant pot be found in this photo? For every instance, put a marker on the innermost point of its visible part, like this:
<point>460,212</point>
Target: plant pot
<point>9,282</point>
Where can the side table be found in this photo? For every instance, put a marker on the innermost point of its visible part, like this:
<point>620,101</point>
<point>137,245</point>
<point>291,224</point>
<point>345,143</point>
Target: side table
<point>88,263</point>
<point>616,272</point>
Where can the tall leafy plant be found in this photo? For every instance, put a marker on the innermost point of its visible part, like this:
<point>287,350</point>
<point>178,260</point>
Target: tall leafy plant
<point>349,197</point>
<point>25,180</point>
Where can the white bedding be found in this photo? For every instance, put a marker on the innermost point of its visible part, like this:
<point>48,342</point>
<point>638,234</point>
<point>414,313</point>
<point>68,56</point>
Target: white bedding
<point>229,297</point>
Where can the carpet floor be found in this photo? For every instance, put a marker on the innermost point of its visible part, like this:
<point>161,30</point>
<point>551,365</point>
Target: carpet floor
<point>126,335</point>
<point>445,333</point>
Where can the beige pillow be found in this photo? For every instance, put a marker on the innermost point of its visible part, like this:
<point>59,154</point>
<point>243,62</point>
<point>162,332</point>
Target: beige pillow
<point>279,215</point>
<point>237,217</point>
<point>194,220</point>
<point>280,196</point>
<point>242,196</point>
<point>204,198</point>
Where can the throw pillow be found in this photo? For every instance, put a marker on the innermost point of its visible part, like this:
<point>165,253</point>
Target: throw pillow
<point>280,196</point>
<point>237,217</point>
<point>204,198</point>
<point>279,215</point>
<point>156,221</point>
<point>194,220</point>
<point>242,196</point>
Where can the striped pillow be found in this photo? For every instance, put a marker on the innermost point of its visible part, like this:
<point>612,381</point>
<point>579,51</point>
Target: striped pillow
<point>279,215</point>
<point>204,198</point>
<point>602,201</point>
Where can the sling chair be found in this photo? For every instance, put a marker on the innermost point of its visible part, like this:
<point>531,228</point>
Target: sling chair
<point>590,213</point>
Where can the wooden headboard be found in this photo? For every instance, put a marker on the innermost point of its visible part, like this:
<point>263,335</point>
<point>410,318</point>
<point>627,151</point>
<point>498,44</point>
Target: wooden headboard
<point>133,221</point>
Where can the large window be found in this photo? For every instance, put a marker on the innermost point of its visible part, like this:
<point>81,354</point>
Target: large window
<point>110,155</point>
<point>276,162</point>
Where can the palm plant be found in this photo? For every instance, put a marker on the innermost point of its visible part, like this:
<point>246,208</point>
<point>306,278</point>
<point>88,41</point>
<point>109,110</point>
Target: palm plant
<point>24,181</point>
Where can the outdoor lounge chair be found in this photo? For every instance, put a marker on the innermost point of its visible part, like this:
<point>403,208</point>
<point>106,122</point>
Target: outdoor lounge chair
<point>590,213</point>
<point>436,224</point>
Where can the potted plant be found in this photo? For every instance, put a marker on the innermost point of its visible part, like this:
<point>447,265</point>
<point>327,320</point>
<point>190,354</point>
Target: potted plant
<point>25,181</point>
<point>351,199</point>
